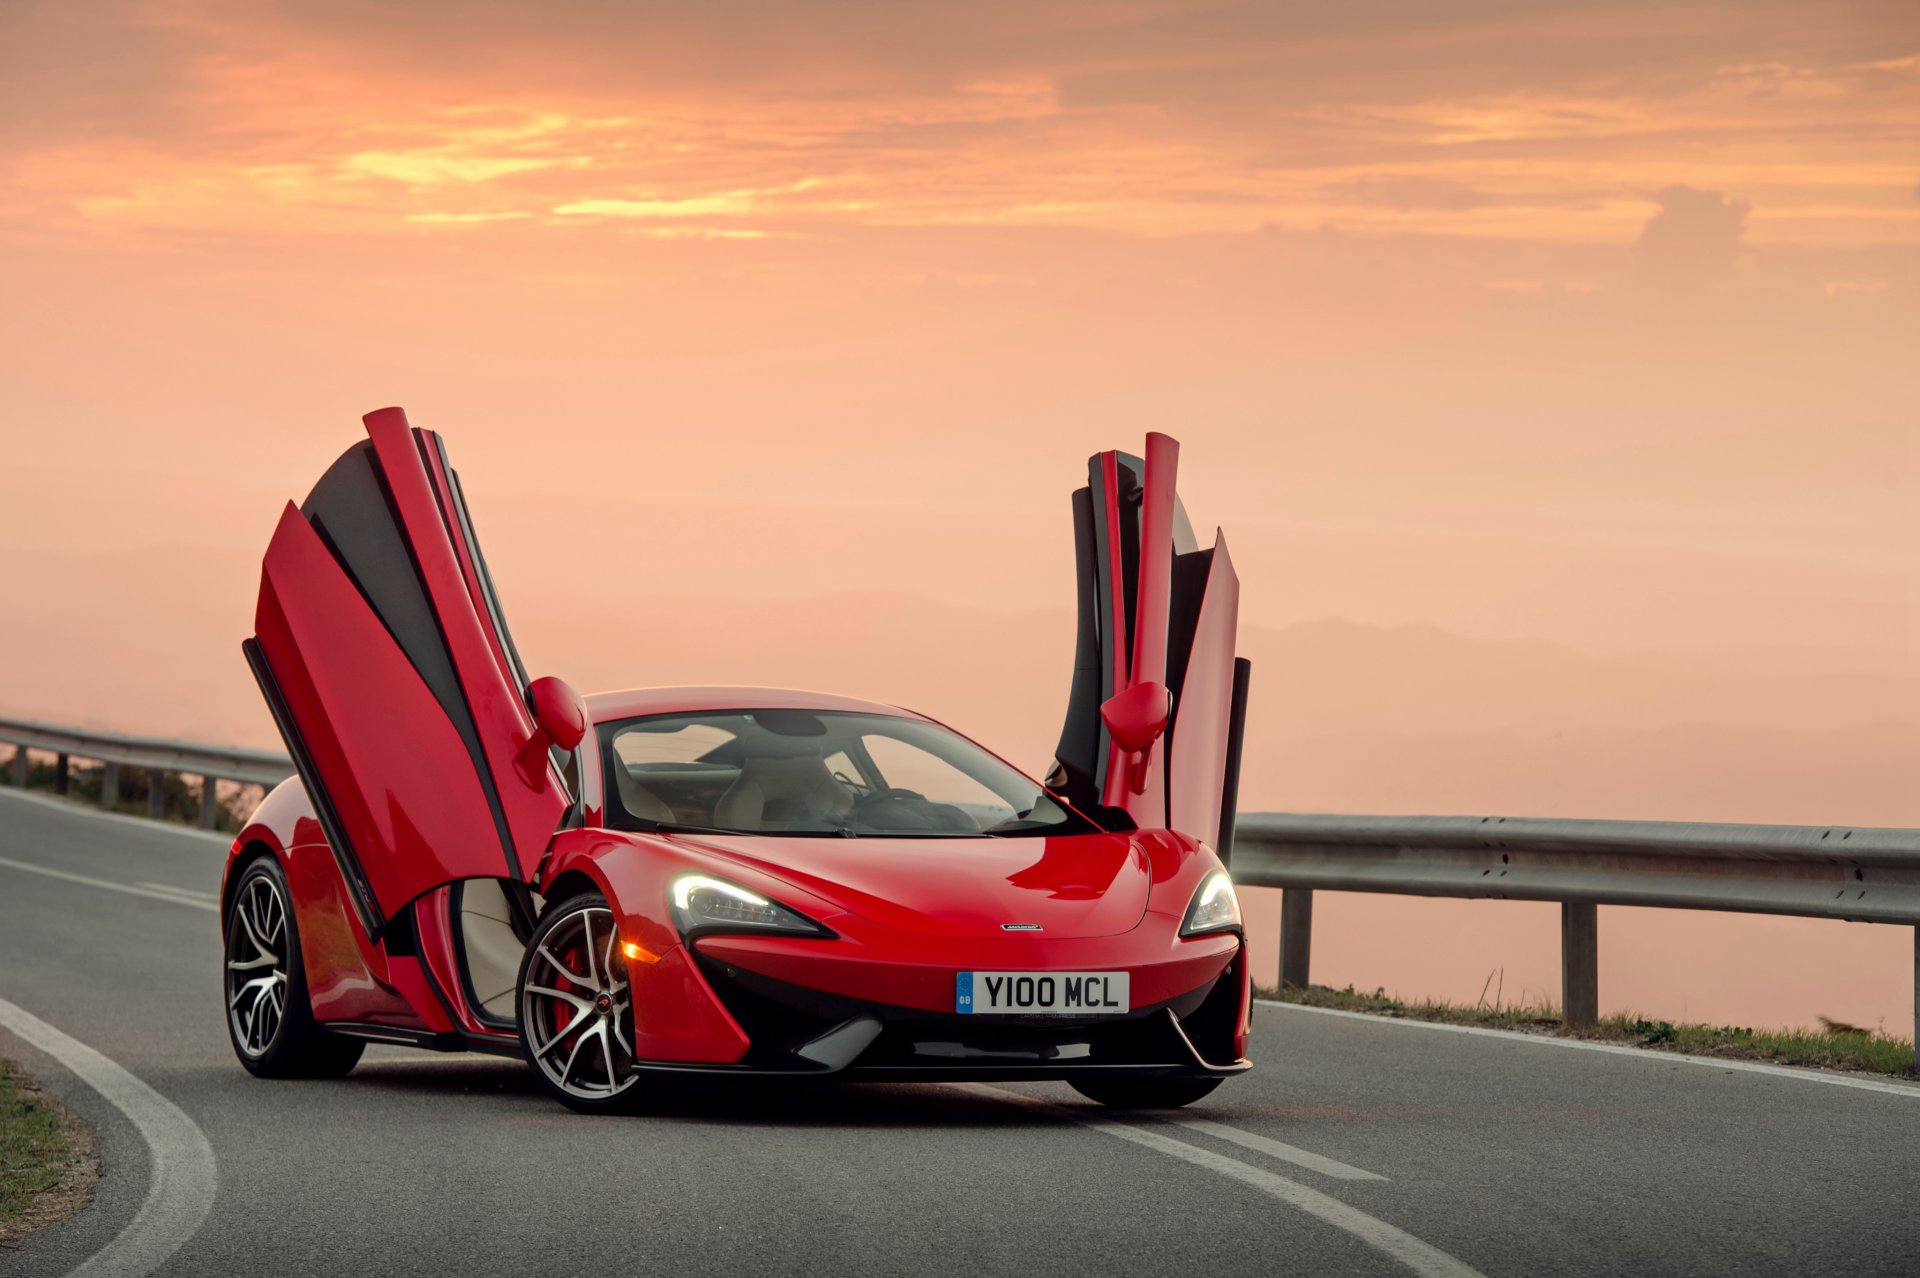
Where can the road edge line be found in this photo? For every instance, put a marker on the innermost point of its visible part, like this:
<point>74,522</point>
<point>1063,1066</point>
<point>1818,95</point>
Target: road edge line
<point>1332,1168</point>
<point>183,1176</point>
<point>1832,1077</point>
<point>108,884</point>
<point>1390,1240</point>
<point>59,804</point>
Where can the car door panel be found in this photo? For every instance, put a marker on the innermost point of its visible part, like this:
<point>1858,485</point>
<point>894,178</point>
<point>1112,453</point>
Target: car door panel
<point>1200,741</point>
<point>382,653</point>
<point>1146,797</point>
<point>1153,608</point>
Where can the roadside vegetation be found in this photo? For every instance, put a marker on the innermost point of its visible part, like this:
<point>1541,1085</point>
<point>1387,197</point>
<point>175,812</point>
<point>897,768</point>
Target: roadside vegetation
<point>1835,1046</point>
<point>46,1158</point>
<point>180,797</point>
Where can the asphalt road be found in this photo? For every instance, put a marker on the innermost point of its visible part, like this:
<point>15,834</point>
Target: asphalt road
<point>1487,1154</point>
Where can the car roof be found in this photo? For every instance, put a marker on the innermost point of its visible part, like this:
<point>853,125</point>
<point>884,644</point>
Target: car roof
<point>605,707</point>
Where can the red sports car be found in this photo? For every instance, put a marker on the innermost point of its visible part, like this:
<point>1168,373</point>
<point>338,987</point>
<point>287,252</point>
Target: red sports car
<point>729,881</point>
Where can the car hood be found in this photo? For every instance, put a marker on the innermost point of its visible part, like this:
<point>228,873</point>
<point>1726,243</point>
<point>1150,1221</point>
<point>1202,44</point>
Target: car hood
<point>1080,885</point>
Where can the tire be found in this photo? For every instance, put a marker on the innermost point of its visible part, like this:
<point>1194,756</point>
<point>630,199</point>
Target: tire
<point>1145,1093</point>
<point>264,985</point>
<point>575,1009</point>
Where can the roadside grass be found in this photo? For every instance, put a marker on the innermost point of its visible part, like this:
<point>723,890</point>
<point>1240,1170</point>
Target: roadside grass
<point>1843,1047</point>
<point>180,801</point>
<point>46,1157</point>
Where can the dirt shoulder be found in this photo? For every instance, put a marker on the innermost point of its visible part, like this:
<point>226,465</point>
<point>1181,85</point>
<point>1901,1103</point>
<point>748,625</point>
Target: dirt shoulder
<point>1834,1046</point>
<point>47,1168</point>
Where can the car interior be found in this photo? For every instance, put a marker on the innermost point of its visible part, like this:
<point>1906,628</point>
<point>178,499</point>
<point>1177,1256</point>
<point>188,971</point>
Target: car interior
<point>491,943</point>
<point>801,772</point>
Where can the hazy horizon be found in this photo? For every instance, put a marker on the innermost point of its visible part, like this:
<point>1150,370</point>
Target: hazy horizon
<point>1550,368</point>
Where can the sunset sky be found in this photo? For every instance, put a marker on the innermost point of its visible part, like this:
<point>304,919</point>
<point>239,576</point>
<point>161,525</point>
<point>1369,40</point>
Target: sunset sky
<point>1582,325</point>
<point>1589,320</point>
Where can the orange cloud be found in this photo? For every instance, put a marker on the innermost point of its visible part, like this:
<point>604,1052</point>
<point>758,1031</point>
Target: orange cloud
<point>1149,120</point>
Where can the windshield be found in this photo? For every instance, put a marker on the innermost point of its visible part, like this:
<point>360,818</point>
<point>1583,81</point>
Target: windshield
<point>818,772</point>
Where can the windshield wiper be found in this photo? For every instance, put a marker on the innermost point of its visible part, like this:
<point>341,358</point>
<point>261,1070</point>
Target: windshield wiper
<point>1018,821</point>
<point>687,827</point>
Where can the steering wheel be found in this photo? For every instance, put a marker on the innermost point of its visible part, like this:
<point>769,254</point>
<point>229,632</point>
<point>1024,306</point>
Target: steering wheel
<point>861,789</point>
<point>904,811</point>
<point>891,792</point>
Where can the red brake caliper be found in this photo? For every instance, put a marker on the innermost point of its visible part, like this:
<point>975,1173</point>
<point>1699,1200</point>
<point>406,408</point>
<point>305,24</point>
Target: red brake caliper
<point>568,957</point>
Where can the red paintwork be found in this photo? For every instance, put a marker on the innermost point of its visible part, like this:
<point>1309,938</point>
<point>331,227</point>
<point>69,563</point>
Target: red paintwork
<point>906,914</point>
<point>1146,801</point>
<point>400,777</point>
<point>500,714</point>
<point>439,961</point>
<point>610,707</point>
<point>951,888</point>
<point>1116,791</point>
<point>390,425</point>
<point>881,966</point>
<point>411,984</point>
<point>559,711</point>
<point>1155,598</point>
<point>348,978</point>
<point>910,913</point>
<point>1136,718</point>
<point>683,1020</point>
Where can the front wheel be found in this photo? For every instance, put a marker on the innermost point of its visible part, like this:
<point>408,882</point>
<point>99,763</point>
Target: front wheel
<point>576,1008</point>
<point>268,1016</point>
<point>1145,1093</point>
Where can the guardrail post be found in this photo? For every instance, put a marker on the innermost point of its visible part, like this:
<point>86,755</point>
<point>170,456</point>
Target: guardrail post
<point>156,793</point>
<point>20,766</point>
<point>1296,936</point>
<point>1914,1069</point>
<point>109,784</point>
<point>62,773</point>
<point>209,803</point>
<point>1579,962</point>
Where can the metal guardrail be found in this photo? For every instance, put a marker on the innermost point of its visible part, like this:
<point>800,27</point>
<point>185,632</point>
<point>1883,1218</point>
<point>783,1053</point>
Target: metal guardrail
<point>113,750</point>
<point>1836,872</point>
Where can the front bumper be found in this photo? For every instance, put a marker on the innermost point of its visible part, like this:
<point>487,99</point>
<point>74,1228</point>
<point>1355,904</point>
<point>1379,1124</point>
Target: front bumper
<point>799,1030</point>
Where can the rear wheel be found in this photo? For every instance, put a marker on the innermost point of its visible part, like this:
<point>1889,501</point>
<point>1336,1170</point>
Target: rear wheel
<point>576,1008</point>
<point>1145,1093</point>
<point>268,1016</point>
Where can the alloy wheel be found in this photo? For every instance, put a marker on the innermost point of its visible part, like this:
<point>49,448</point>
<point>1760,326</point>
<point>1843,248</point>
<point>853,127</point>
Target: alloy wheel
<point>257,962</point>
<point>575,1007</point>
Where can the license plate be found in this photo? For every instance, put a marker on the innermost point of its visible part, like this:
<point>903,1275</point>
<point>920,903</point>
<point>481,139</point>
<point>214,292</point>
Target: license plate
<point>1041,993</point>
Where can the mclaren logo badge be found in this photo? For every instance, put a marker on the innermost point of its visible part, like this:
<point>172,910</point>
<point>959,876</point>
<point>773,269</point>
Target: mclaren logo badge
<point>1021,927</point>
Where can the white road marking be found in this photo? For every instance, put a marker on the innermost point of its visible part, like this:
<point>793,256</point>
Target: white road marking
<point>73,808</point>
<point>1805,1075</point>
<point>1420,1257</point>
<point>1274,1148</point>
<point>109,885</point>
<point>183,1178</point>
<point>185,893</point>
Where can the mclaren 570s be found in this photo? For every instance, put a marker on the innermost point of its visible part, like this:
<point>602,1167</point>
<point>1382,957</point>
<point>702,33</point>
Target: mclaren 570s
<point>725,881</point>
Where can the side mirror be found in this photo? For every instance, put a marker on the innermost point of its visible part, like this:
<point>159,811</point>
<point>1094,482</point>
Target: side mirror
<point>1137,716</point>
<point>559,711</point>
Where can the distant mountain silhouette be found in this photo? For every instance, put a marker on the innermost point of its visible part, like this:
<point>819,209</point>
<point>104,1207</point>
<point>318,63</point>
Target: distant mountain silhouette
<point>1345,716</point>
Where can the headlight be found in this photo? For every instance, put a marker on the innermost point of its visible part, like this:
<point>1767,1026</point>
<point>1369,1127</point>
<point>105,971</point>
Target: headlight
<point>1214,907</point>
<point>705,904</point>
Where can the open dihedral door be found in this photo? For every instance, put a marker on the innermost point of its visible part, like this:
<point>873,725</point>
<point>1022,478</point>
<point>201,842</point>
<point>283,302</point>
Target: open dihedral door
<point>1155,608</point>
<point>381,651</point>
